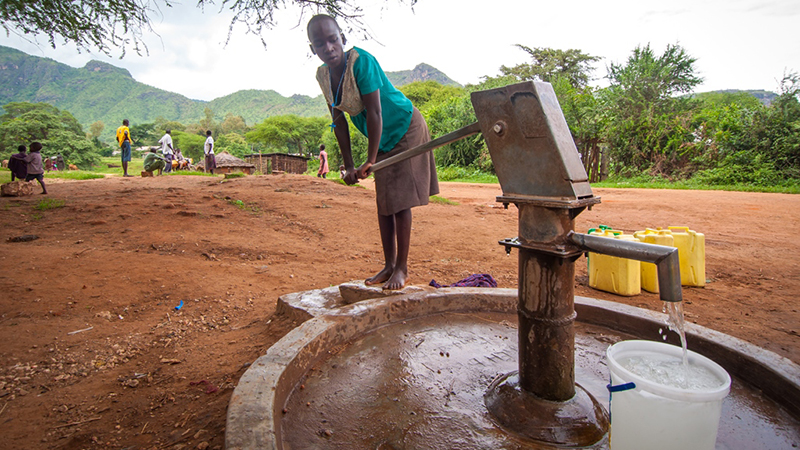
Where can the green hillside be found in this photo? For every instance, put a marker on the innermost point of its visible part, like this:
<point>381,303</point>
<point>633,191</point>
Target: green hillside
<point>256,105</point>
<point>102,92</point>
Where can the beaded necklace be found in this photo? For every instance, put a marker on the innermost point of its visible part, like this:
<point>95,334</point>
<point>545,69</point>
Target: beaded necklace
<point>333,103</point>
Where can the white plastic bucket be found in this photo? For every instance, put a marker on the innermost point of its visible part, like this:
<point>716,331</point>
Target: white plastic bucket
<point>654,416</point>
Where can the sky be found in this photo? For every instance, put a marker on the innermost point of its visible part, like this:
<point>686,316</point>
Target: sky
<point>738,44</point>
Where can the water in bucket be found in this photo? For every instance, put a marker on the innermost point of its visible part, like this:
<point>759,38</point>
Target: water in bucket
<point>657,403</point>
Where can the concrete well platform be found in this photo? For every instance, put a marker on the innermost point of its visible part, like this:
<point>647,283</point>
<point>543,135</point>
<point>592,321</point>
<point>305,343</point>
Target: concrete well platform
<point>409,371</point>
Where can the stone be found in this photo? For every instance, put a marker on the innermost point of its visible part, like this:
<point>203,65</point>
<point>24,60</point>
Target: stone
<point>357,291</point>
<point>16,189</point>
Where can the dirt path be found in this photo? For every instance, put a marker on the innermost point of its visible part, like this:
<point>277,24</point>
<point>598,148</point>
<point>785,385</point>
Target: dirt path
<point>96,355</point>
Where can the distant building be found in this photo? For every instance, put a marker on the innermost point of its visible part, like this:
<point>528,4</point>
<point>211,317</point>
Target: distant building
<point>275,163</point>
<point>227,163</point>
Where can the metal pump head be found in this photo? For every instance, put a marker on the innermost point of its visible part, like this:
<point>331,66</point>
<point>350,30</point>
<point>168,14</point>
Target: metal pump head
<point>530,144</point>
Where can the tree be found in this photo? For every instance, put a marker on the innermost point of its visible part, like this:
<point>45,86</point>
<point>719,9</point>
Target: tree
<point>162,124</point>
<point>233,124</point>
<point>758,146</point>
<point>650,125</point>
<point>583,113</point>
<point>549,63</point>
<point>191,145</point>
<point>58,131</point>
<point>107,24</point>
<point>145,134</point>
<point>300,134</point>
<point>96,129</point>
<point>207,123</point>
<point>232,143</point>
<point>425,94</point>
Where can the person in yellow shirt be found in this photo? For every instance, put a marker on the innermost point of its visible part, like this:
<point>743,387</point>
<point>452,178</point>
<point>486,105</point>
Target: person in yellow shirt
<point>124,139</point>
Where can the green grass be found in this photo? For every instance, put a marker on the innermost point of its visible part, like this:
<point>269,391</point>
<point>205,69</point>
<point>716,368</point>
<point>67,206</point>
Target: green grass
<point>790,187</point>
<point>465,175</point>
<point>49,203</point>
<point>452,173</point>
<point>242,205</point>
<point>442,201</point>
<point>182,173</point>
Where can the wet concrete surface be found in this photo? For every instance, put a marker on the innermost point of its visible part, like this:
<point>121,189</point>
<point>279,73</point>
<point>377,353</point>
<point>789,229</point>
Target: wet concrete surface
<point>420,384</point>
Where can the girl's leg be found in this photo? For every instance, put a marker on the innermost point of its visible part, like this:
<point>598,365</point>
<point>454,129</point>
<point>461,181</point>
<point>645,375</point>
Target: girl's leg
<point>402,221</point>
<point>386,225</point>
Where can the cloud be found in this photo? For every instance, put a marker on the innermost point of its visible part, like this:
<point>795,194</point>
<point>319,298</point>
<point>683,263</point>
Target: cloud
<point>742,44</point>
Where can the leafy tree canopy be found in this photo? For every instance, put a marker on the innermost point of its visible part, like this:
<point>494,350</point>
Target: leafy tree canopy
<point>428,93</point>
<point>647,80</point>
<point>58,131</point>
<point>233,124</point>
<point>232,143</point>
<point>191,145</point>
<point>107,24</point>
<point>296,134</point>
<point>549,63</point>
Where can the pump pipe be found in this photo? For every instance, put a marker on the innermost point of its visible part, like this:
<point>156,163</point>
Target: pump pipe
<point>665,258</point>
<point>448,138</point>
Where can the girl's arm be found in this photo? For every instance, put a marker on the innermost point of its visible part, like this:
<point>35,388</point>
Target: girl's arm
<point>342,133</point>
<point>372,103</point>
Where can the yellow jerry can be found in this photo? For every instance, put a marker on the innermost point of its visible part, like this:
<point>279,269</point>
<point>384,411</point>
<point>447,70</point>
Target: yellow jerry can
<point>649,273</point>
<point>611,274</point>
<point>692,254</point>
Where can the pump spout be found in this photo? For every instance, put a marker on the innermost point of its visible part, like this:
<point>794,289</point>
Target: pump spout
<point>665,258</point>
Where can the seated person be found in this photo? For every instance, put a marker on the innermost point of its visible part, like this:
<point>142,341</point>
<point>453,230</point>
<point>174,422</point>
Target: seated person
<point>183,163</point>
<point>154,161</point>
<point>48,164</point>
<point>17,164</point>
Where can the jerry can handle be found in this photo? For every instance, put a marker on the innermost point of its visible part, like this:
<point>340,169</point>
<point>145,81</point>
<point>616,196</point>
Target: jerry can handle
<point>621,387</point>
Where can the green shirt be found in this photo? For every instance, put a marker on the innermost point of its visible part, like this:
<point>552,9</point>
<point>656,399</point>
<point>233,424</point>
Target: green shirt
<point>396,109</point>
<point>153,162</point>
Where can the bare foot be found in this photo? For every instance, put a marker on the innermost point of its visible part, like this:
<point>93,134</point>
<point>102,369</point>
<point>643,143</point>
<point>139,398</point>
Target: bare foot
<point>380,277</point>
<point>397,281</point>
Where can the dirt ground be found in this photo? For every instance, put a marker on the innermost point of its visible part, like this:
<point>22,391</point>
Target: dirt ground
<point>96,355</point>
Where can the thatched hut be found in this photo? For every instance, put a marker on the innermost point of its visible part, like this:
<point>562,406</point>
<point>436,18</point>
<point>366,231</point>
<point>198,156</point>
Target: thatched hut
<point>275,163</point>
<point>227,163</point>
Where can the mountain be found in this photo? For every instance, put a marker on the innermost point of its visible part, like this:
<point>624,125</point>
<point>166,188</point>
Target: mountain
<point>256,105</point>
<point>97,91</point>
<point>765,97</point>
<point>423,72</point>
<point>101,91</point>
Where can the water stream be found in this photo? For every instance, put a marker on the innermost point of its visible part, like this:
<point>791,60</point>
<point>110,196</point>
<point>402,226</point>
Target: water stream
<point>670,371</point>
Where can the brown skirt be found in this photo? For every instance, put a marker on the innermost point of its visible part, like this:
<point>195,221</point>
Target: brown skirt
<point>411,182</point>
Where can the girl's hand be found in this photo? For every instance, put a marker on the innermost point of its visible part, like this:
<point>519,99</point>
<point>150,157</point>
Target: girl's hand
<point>351,176</point>
<point>363,171</point>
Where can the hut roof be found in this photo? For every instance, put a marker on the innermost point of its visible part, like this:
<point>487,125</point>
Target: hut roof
<point>265,155</point>
<point>225,159</point>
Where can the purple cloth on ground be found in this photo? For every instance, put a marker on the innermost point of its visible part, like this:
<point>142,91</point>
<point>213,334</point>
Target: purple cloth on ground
<point>474,280</point>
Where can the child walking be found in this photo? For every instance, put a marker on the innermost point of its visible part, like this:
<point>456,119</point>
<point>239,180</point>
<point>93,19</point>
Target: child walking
<point>353,82</point>
<point>34,161</point>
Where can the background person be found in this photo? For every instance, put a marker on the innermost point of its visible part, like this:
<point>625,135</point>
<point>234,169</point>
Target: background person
<point>166,150</point>
<point>17,164</point>
<point>124,139</point>
<point>153,162</point>
<point>208,150</point>
<point>323,162</point>
<point>35,169</point>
